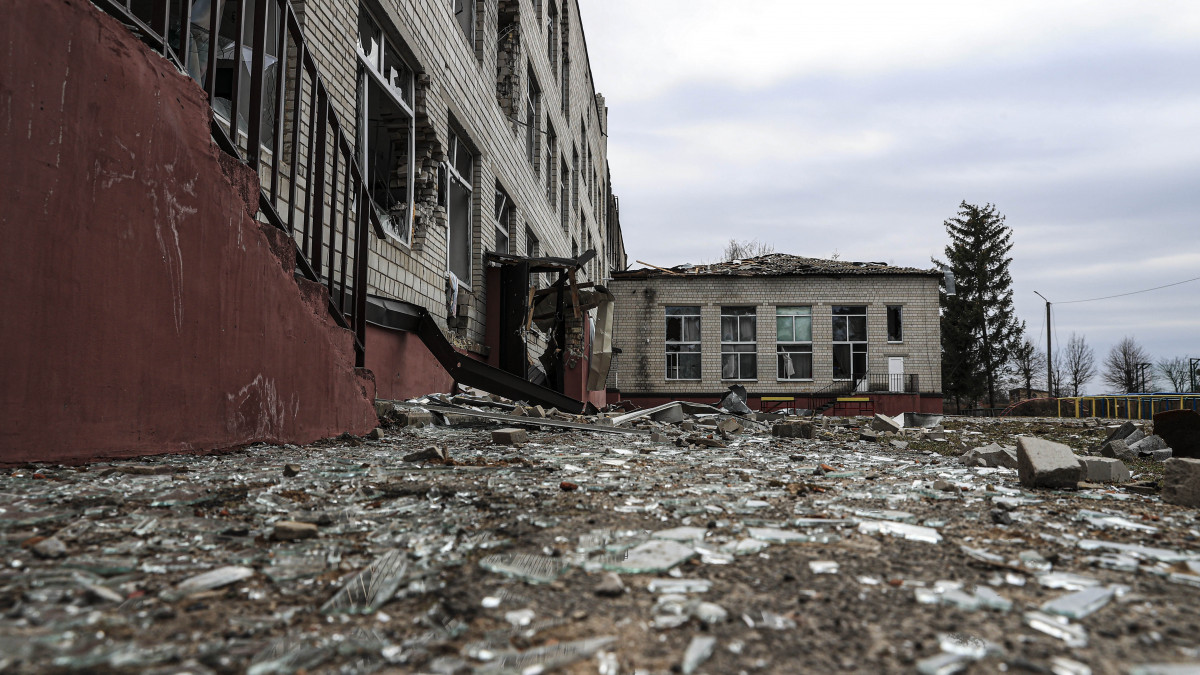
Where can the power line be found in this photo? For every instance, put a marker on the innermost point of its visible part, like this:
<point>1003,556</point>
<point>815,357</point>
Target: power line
<point>1121,295</point>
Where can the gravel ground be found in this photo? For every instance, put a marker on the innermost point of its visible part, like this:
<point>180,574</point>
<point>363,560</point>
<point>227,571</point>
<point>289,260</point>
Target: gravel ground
<point>94,557</point>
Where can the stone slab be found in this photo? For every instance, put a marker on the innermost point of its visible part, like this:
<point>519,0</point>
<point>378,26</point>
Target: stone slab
<point>510,437</point>
<point>1104,470</point>
<point>793,430</point>
<point>1043,463</point>
<point>1181,481</point>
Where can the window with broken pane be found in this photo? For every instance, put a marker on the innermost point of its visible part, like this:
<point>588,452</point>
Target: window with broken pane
<point>739,343</point>
<point>504,217</point>
<point>459,167</point>
<point>386,128</point>
<point>533,96</point>
<point>793,342</point>
<point>895,323</point>
<point>683,342</point>
<point>849,342</point>
<point>464,13</point>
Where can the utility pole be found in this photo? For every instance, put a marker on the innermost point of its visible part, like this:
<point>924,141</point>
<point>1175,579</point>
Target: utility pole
<point>1049,352</point>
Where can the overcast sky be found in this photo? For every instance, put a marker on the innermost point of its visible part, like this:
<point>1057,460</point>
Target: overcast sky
<point>857,128</point>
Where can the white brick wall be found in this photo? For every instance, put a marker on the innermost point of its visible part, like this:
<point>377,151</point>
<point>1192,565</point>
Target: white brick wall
<point>461,83</point>
<point>640,327</point>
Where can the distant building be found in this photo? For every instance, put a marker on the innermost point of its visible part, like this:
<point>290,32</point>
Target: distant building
<point>803,331</point>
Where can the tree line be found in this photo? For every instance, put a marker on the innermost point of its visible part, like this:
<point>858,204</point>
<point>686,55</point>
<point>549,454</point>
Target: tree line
<point>985,348</point>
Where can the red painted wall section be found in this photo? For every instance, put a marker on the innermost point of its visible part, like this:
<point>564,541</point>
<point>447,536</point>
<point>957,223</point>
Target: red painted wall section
<point>146,311</point>
<point>403,367</point>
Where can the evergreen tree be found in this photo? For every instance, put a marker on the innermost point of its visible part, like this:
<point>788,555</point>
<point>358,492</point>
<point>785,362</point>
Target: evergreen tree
<point>979,329</point>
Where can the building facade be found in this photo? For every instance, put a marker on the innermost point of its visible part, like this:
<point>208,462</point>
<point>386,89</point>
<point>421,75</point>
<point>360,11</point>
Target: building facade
<point>783,327</point>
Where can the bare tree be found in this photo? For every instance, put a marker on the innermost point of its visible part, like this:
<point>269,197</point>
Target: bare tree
<point>1058,371</point>
<point>1122,366</point>
<point>1175,371</point>
<point>1079,362</point>
<point>1028,364</point>
<point>740,250</point>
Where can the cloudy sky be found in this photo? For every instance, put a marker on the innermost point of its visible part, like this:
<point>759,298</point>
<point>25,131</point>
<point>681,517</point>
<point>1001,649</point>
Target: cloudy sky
<point>857,127</point>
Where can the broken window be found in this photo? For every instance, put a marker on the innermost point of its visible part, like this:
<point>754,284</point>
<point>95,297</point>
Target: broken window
<point>232,74</point>
<point>793,342</point>
<point>574,179</point>
<point>464,12</point>
<point>504,211</point>
<point>683,343</point>
<point>386,135</point>
<point>895,323</point>
<point>459,165</point>
<point>552,36</point>
<point>564,203</point>
<point>533,95</point>
<point>739,343</point>
<point>849,342</point>
<point>533,249</point>
<point>551,140</point>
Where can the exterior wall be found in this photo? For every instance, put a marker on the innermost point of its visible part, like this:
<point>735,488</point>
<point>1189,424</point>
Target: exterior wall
<point>146,310</point>
<point>640,328</point>
<point>457,80</point>
<point>403,366</point>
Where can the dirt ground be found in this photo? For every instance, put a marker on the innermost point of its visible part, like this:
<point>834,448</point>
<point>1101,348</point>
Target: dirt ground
<point>93,557</point>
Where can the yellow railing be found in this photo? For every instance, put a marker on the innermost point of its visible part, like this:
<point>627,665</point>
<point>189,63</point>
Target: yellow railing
<point>1125,406</point>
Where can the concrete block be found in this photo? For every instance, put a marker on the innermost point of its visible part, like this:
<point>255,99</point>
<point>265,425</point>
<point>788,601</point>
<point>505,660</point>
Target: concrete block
<point>1043,463</point>
<point>793,430</point>
<point>1148,445</point>
<point>1121,432</point>
<point>1162,455</point>
<point>510,437</point>
<point>413,418</point>
<point>1180,429</point>
<point>1134,437</point>
<point>1104,470</point>
<point>884,423</point>
<point>992,455</point>
<point>1181,481</point>
<point>1119,450</point>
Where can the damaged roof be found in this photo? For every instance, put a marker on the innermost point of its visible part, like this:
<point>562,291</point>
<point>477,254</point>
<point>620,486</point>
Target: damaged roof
<point>776,264</point>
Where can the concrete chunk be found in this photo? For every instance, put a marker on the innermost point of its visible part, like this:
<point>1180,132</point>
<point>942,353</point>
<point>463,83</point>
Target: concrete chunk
<point>1120,433</point>
<point>793,430</point>
<point>1148,445</point>
<point>1162,454</point>
<point>1134,437</point>
<point>1104,470</point>
<point>992,455</point>
<point>510,437</point>
<point>1043,463</point>
<point>412,418</point>
<point>672,414</point>
<point>1119,450</point>
<point>290,529</point>
<point>1181,481</point>
<point>884,423</point>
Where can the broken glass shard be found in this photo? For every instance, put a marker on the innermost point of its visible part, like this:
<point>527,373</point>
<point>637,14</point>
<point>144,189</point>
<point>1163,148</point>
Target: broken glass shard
<point>886,514</point>
<point>1079,604</point>
<point>371,588</point>
<point>1057,626</point>
<point>905,530</point>
<point>823,566</point>
<point>287,656</point>
<point>1136,550</point>
<point>1067,581</point>
<point>745,546</point>
<point>698,651</point>
<point>1061,665</point>
<point>658,555</point>
<point>684,534</point>
<point>967,645</point>
<point>776,536</point>
<point>535,569</point>
<point>545,659</point>
<point>679,586</point>
<point>990,599</point>
<point>222,576</point>
<point>943,664</point>
<point>770,620</point>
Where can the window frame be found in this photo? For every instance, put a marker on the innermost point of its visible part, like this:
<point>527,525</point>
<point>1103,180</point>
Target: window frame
<point>682,346</point>
<point>467,29</point>
<point>731,347</point>
<point>855,347</point>
<point>371,67</point>
<point>780,345</point>
<point>899,324</point>
<point>454,153</point>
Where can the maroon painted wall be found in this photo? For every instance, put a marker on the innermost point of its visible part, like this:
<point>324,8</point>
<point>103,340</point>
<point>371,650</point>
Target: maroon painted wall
<point>145,311</point>
<point>404,367</point>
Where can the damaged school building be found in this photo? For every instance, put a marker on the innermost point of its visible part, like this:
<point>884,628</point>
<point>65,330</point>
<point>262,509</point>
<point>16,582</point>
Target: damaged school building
<point>830,336</point>
<point>244,220</point>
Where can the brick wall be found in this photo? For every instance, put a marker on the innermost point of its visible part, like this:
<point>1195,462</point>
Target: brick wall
<point>640,327</point>
<point>457,80</point>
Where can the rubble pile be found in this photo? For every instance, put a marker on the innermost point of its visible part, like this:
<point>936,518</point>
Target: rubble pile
<point>471,534</point>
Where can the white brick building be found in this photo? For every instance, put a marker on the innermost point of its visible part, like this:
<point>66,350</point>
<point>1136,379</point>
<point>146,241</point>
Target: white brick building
<point>781,326</point>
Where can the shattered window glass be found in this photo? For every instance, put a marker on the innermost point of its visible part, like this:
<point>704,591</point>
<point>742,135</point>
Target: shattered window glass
<point>849,342</point>
<point>793,343</point>
<point>739,360</point>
